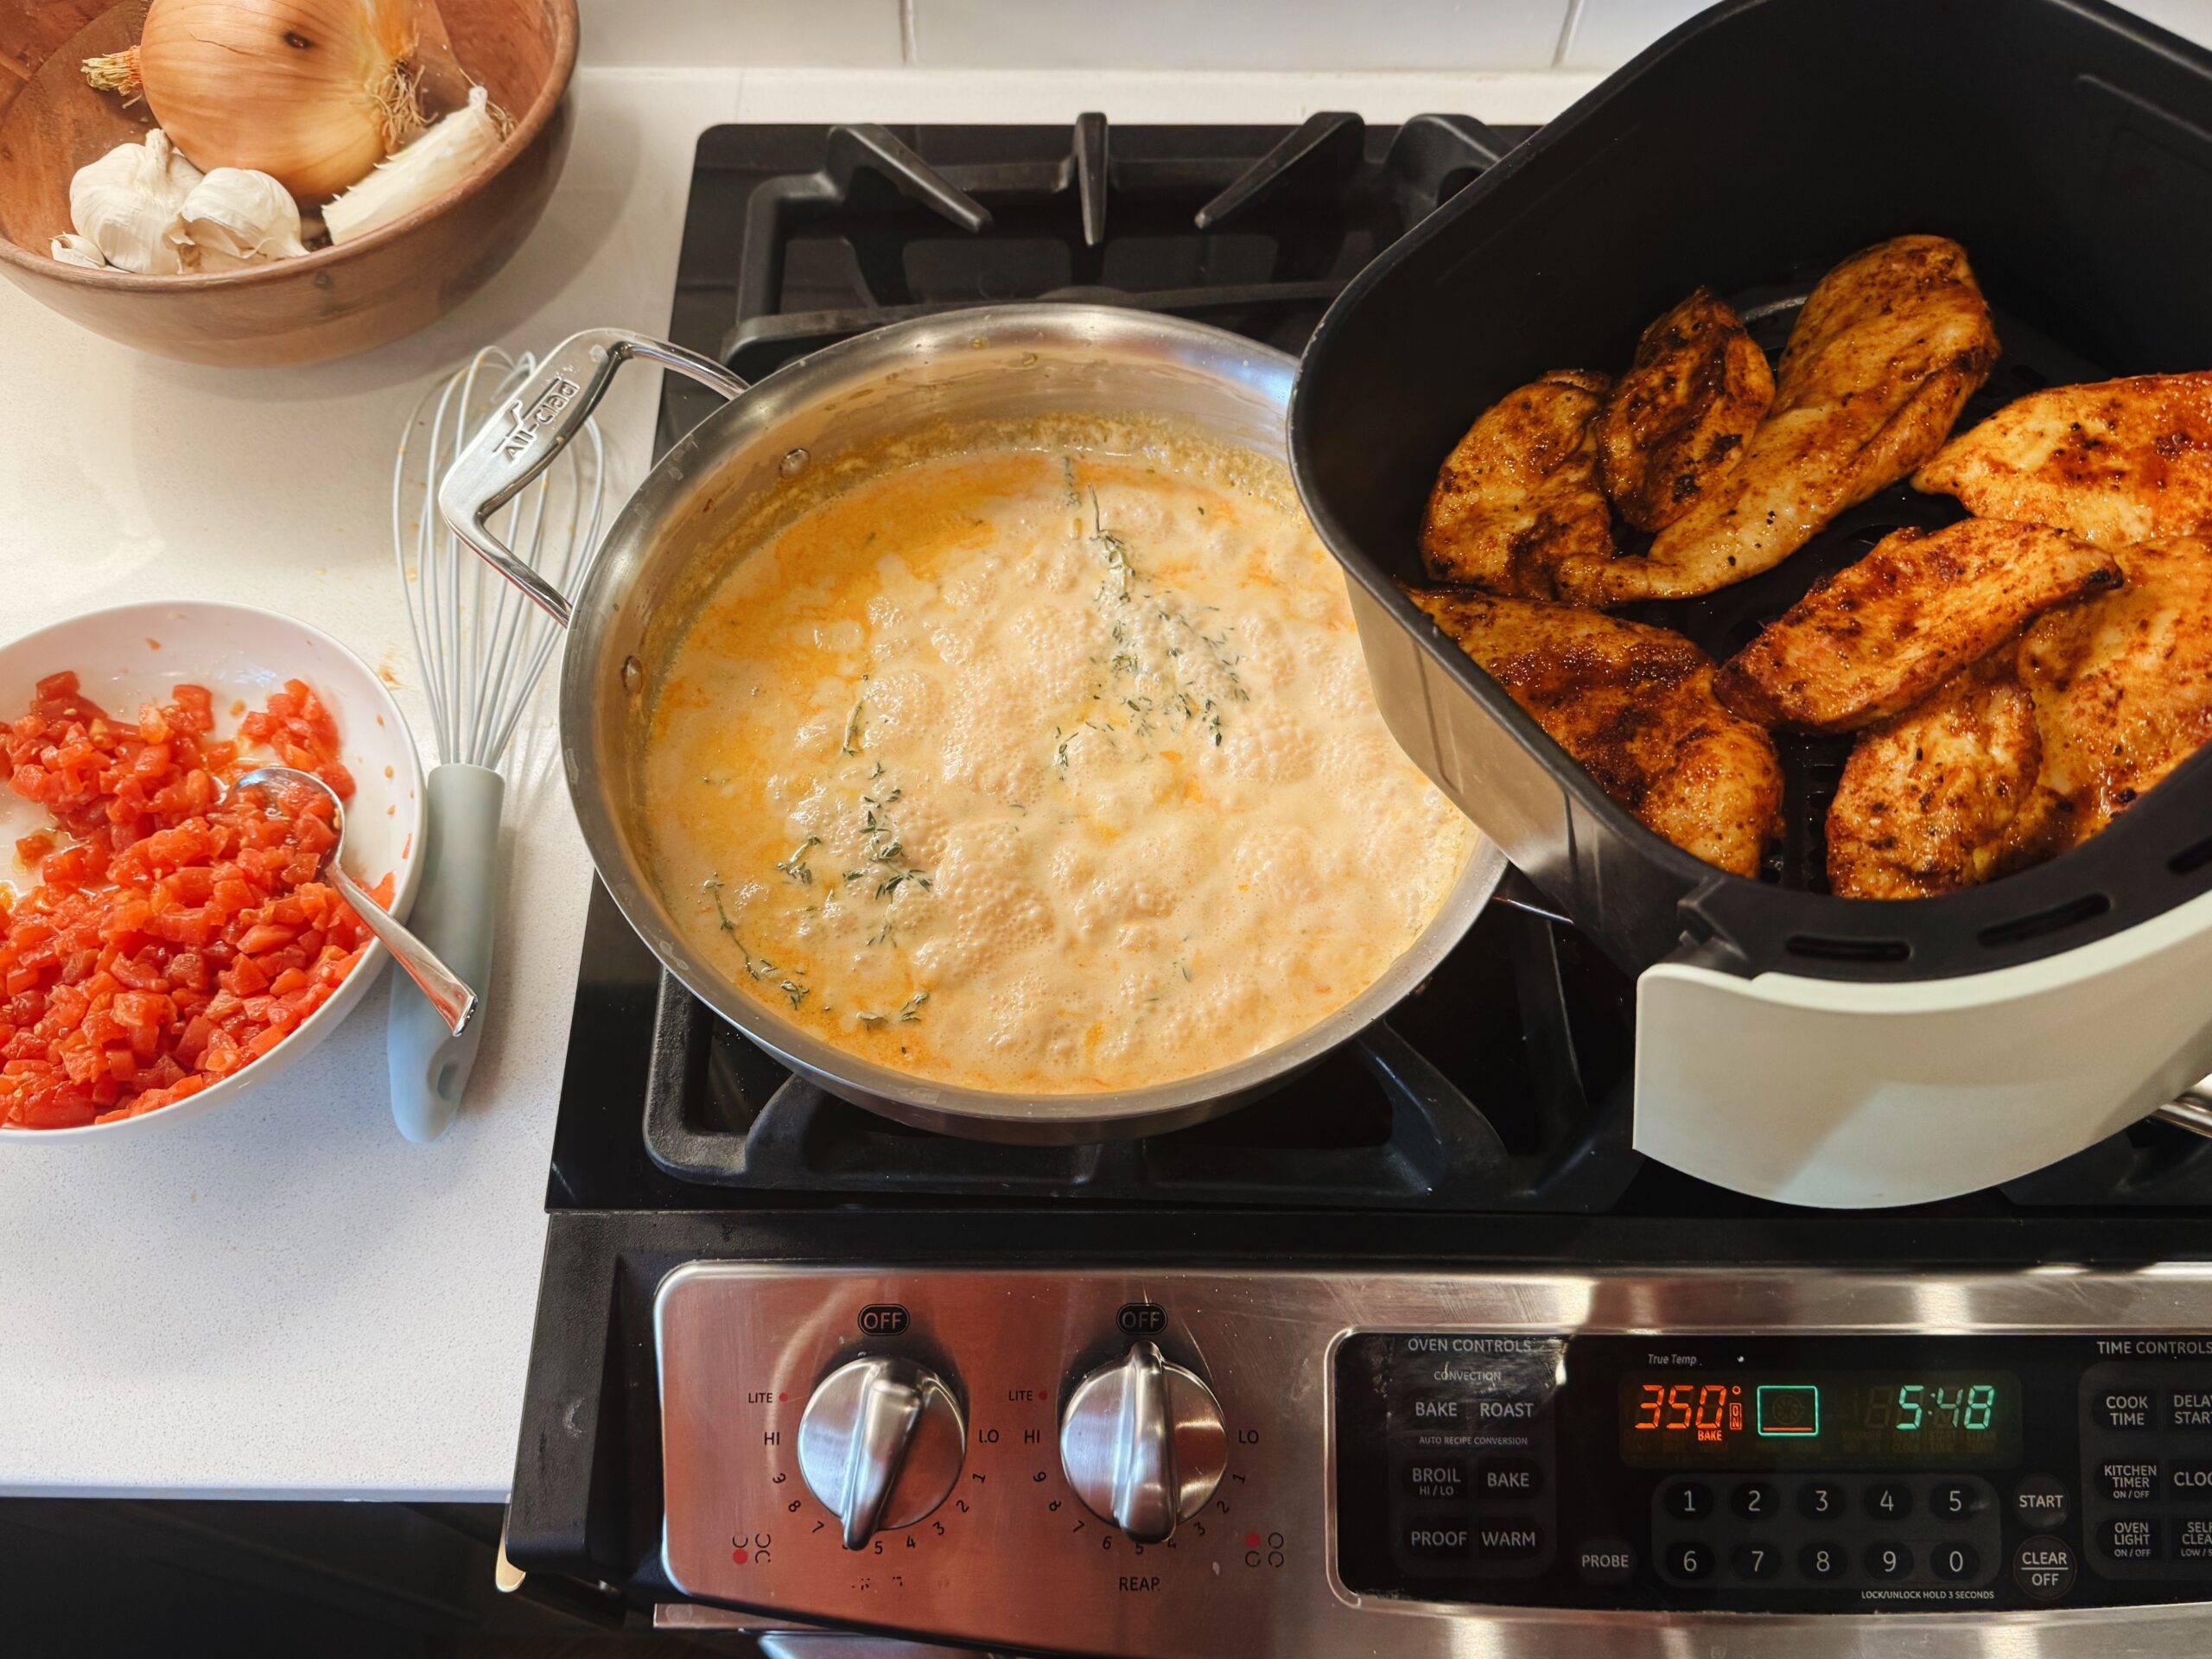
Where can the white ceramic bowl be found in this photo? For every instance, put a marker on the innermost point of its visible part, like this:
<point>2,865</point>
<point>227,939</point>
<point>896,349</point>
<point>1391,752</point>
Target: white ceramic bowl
<point>134,654</point>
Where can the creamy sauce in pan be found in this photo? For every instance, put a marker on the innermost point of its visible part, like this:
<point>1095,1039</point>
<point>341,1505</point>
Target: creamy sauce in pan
<point>1043,770</point>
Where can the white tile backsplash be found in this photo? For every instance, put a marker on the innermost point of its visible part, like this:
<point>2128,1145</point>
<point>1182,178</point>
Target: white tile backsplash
<point>1389,35</point>
<point>1606,33</point>
<point>738,34</point>
<point>1381,36</point>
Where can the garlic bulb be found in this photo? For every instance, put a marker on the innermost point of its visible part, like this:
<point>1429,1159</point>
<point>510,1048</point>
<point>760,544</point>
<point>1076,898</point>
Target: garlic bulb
<point>74,249</point>
<point>125,204</point>
<point>238,215</point>
<point>421,172</point>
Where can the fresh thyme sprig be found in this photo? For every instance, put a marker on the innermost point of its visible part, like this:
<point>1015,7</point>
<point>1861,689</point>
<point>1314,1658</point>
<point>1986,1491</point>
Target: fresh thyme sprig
<point>759,968</point>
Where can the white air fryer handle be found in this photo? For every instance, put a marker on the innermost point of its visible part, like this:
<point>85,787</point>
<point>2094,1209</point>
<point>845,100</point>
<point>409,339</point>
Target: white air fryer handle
<point>454,912</point>
<point>1832,1092</point>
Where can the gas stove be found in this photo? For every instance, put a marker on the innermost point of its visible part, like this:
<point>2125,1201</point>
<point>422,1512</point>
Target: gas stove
<point>1367,1363</point>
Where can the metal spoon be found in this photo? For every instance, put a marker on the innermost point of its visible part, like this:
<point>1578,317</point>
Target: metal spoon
<point>452,998</point>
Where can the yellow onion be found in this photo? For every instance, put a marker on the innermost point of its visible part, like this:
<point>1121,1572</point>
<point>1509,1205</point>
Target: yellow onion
<point>313,93</point>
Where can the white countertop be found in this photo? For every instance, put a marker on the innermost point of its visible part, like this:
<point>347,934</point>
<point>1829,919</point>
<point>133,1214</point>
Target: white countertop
<point>283,1298</point>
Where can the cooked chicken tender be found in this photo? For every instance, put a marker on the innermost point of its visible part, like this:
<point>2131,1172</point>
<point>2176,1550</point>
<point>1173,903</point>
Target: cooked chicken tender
<point>2116,461</point>
<point>1518,495</point>
<point>1677,419</point>
<point>2123,694</point>
<point>1634,705</point>
<point>1885,352</point>
<point>1928,799</point>
<point>1876,637</point>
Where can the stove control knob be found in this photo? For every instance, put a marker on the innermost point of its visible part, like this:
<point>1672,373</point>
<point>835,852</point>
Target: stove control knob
<point>1142,1444</point>
<point>880,1444</point>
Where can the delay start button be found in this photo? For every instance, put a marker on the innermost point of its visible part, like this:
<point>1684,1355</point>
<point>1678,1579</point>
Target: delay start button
<point>2043,1568</point>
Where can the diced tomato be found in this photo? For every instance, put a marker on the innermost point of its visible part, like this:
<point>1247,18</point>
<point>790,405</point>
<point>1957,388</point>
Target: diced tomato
<point>172,939</point>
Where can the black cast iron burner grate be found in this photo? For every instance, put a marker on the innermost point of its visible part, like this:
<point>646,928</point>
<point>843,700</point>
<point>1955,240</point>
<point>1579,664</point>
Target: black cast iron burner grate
<point>1499,1085</point>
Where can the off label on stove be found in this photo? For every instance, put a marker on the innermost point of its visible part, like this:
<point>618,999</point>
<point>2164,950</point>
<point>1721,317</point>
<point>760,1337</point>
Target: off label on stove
<point>1141,1318</point>
<point>884,1320</point>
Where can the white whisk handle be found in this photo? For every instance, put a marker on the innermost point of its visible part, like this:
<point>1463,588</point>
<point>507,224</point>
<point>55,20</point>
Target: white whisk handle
<point>454,912</point>
<point>517,442</point>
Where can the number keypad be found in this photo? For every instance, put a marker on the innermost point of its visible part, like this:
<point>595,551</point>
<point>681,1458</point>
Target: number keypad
<point>1780,1532</point>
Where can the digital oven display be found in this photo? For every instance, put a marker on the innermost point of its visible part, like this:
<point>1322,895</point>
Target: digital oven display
<point>1910,1419</point>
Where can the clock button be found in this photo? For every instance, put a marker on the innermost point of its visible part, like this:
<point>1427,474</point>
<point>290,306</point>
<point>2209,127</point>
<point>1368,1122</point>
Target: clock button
<point>1953,1500</point>
<point>1756,1560</point>
<point>1954,1563</point>
<point>2041,1501</point>
<point>1888,1562</point>
<point>1690,1562</point>
<point>1690,1500</point>
<point>1821,1561</point>
<point>2043,1568</point>
<point>1889,1500</point>
<point>1822,1500</point>
<point>1754,1500</point>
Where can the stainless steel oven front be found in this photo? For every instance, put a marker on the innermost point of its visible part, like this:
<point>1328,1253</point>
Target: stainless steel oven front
<point>1125,1462</point>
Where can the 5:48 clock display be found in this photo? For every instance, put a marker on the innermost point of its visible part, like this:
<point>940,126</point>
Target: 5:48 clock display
<point>1931,1419</point>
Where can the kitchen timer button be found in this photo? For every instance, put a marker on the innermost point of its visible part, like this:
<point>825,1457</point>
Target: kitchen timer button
<point>2128,1480</point>
<point>2041,1501</point>
<point>2044,1567</point>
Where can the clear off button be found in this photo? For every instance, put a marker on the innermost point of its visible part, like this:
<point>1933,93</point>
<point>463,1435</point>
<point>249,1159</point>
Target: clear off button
<point>2043,1568</point>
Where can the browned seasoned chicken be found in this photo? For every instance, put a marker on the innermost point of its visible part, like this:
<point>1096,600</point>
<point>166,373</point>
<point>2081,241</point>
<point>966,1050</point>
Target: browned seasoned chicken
<point>2123,694</point>
<point>1635,705</point>
<point>1928,799</point>
<point>1876,637</point>
<point>1518,495</point>
<point>1884,355</point>
<point>1677,419</point>
<point>2117,461</point>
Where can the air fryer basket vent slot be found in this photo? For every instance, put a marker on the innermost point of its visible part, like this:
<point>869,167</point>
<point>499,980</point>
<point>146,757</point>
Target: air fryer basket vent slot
<point>2088,907</point>
<point>1822,948</point>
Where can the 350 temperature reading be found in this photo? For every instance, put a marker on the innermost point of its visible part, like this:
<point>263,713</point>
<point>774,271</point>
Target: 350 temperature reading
<point>1936,1420</point>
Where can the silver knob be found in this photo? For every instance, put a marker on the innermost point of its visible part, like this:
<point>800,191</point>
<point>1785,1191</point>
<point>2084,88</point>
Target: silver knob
<point>881,1443</point>
<point>1142,1444</point>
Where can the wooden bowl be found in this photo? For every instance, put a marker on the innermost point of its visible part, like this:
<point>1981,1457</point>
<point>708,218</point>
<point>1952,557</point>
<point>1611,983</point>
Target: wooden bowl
<point>334,302</point>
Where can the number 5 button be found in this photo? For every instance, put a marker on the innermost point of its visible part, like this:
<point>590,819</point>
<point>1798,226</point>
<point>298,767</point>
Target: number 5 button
<point>1953,1500</point>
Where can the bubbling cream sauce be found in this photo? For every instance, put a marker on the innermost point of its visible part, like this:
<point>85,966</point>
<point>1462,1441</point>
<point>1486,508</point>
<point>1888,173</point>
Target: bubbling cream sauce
<point>1043,769</point>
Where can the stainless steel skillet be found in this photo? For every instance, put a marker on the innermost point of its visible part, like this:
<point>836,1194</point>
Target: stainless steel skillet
<point>1000,362</point>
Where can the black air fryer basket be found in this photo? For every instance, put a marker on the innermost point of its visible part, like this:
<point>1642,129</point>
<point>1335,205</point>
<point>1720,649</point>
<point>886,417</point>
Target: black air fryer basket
<point>2068,147</point>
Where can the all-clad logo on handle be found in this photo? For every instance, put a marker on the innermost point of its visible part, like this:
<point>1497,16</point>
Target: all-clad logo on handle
<point>528,422</point>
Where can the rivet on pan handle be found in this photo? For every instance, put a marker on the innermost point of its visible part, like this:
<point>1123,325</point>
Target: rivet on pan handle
<point>519,442</point>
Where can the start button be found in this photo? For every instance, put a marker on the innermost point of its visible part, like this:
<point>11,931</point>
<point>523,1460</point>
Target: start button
<point>2043,1568</point>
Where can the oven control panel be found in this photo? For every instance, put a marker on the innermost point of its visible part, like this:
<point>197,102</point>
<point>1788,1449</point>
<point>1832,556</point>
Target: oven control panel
<point>1783,1474</point>
<point>1125,1462</point>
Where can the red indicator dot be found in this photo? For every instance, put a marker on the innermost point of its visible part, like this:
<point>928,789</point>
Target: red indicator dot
<point>1251,1541</point>
<point>740,1555</point>
<point>783,1397</point>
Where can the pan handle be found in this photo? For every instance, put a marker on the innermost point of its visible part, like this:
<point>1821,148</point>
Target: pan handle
<point>2193,1111</point>
<point>519,442</point>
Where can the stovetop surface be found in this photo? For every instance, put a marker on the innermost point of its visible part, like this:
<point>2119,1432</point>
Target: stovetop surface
<point>1500,1087</point>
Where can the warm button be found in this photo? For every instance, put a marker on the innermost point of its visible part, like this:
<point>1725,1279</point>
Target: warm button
<point>1508,1540</point>
<point>2123,1409</point>
<point>2043,1568</point>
